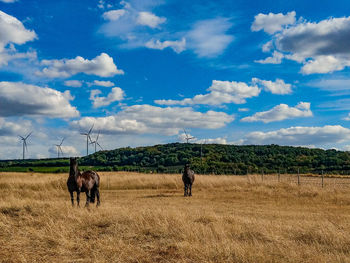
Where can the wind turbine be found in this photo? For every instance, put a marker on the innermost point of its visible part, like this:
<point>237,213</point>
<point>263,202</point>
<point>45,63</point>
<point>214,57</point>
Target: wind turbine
<point>188,138</point>
<point>59,149</point>
<point>96,141</point>
<point>87,134</point>
<point>24,139</point>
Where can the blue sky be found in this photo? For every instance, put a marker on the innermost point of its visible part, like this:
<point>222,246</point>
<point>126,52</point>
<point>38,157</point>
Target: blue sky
<point>231,72</point>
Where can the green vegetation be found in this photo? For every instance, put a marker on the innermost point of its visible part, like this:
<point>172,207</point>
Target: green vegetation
<point>216,159</point>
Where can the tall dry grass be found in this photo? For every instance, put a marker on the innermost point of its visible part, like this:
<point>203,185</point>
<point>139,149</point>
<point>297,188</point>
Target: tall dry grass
<point>145,218</point>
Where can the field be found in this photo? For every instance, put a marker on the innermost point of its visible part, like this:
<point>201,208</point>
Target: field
<point>145,218</point>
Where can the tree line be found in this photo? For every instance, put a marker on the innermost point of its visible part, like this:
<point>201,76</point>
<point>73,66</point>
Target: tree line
<point>206,159</point>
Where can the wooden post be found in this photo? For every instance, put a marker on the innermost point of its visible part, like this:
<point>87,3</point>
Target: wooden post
<point>322,179</point>
<point>298,177</point>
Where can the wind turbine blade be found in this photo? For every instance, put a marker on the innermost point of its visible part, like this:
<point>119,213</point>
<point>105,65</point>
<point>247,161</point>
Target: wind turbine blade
<point>59,147</point>
<point>91,128</point>
<point>25,145</point>
<point>22,138</point>
<point>28,135</point>
<point>99,146</point>
<point>98,135</point>
<point>62,141</point>
<point>185,133</point>
<point>89,138</point>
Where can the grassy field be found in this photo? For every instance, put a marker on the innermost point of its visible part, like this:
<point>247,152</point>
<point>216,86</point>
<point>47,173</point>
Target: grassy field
<point>145,218</point>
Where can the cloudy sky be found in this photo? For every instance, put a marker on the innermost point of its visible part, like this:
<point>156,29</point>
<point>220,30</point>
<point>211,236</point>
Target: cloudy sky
<point>142,71</point>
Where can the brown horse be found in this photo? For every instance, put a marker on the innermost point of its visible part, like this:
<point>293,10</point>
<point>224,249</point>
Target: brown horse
<point>188,179</point>
<point>87,182</point>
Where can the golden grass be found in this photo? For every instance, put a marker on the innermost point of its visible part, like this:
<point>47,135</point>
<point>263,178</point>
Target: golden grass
<point>145,218</point>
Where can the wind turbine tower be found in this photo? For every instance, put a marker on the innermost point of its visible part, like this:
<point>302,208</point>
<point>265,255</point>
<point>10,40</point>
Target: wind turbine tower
<point>59,149</point>
<point>96,141</point>
<point>24,140</point>
<point>188,138</point>
<point>87,134</point>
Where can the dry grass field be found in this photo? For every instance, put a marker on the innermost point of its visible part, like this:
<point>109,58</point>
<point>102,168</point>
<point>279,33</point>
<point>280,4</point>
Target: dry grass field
<point>145,218</point>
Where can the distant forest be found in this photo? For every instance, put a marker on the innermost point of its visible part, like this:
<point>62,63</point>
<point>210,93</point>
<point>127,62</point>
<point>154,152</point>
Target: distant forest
<point>206,159</point>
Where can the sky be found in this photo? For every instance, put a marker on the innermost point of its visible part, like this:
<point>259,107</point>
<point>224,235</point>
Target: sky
<point>141,72</point>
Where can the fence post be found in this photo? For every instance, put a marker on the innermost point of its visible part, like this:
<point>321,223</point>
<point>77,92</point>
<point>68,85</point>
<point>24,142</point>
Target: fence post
<point>322,179</point>
<point>298,177</point>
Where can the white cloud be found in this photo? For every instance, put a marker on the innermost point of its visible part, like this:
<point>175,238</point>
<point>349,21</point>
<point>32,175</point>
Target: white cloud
<point>13,31</point>
<point>326,135</point>
<point>8,128</point>
<point>149,19</point>
<point>321,46</point>
<point>281,112</point>
<point>68,151</point>
<point>324,64</point>
<point>347,118</point>
<point>117,94</point>
<point>8,1</point>
<point>209,38</point>
<point>275,59</point>
<point>220,92</point>
<point>113,15</point>
<point>8,55</point>
<point>218,140</point>
<point>243,109</point>
<point>178,45</point>
<point>73,83</point>
<point>102,65</point>
<point>277,87</point>
<point>102,83</point>
<point>272,23</point>
<point>17,99</point>
<point>147,119</point>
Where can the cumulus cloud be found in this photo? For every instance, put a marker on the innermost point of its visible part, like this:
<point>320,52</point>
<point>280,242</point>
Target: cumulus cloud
<point>326,135</point>
<point>102,83</point>
<point>113,15</point>
<point>8,128</point>
<point>220,92</point>
<point>276,58</point>
<point>68,151</point>
<point>141,119</point>
<point>11,54</point>
<point>281,112</point>
<point>178,45</point>
<point>73,83</point>
<point>272,23</point>
<point>13,31</point>
<point>17,99</point>
<point>102,65</point>
<point>321,47</point>
<point>218,140</point>
<point>117,94</point>
<point>277,87</point>
<point>149,19</point>
<point>209,38</point>
<point>347,118</point>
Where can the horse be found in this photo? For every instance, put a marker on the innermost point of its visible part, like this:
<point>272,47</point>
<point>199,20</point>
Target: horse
<point>188,179</point>
<point>87,182</point>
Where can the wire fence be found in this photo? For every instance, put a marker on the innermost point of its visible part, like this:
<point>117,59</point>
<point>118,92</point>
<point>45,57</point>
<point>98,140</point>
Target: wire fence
<point>321,180</point>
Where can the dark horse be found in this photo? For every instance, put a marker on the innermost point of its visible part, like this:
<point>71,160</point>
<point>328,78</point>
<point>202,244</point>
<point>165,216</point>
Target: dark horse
<point>87,182</point>
<point>188,179</point>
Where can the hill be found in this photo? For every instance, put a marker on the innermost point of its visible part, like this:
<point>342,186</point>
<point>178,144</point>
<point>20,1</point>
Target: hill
<point>208,158</point>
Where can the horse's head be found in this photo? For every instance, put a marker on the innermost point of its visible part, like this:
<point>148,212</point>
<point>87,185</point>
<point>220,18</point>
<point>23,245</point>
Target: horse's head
<point>73,162</point>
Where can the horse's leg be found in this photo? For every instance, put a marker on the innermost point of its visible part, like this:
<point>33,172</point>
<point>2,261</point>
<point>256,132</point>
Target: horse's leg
<point>72,197</point>
<point>185,190</point>
<point>190,189</point>
<point>78,198</point>
<point>87,198</point>
<point>98,196</point>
